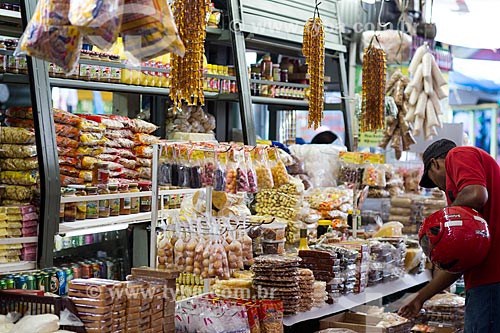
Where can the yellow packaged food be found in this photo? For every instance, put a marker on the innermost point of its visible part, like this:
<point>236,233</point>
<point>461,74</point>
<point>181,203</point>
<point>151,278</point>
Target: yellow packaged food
<point>17,151</point>
<point>90,151</point>
<point>87,125</point>
<point>16,135</point>
<point>49,36</point>
<point>85,175</point>
<point>19,177</point>
<point>17,192</point>
<point>92,139</point>
<point>149,33</point>
<point>17,164</point>
<point>86,162</point>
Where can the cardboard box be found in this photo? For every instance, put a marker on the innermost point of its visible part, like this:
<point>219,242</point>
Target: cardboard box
<point>361,323</point>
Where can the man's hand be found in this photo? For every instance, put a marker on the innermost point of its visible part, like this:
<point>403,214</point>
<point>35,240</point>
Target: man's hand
<point>411,309</point>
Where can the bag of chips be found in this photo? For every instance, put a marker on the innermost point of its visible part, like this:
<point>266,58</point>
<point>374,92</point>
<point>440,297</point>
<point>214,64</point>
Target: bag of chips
<point>149,30</point>
<point>98,20</point>
<point>50,37</point>
<point>16,135</point>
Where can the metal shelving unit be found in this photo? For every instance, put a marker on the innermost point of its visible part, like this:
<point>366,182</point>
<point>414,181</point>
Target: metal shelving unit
<point>370,294</point>
<point>277,26</point>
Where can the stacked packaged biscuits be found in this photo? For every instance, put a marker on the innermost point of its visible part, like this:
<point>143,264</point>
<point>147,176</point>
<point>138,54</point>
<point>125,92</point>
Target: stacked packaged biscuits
<point>306,285</point>
<point>162,288</point>
<point>277,277</point>
<point>325,267</point>
<point>26,217</point>
<point>98,303</point>
<point>138,309</point>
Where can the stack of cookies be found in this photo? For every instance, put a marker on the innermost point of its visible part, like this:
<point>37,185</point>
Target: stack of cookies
<point>306,285</point>
<point>326,267</point>
<point>277,277</point>
<point>93,299</point>
<point>320,295</point>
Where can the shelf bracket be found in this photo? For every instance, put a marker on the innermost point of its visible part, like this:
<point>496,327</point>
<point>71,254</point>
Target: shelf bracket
<point>242,79</point>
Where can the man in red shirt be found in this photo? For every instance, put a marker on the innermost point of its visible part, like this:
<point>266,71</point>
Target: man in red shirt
<point>470,177</point>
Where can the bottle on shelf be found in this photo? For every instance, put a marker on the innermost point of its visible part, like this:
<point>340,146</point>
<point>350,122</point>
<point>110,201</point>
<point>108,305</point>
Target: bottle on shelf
<point>125,203</point>
<point>81,207</point>
<point>114,204</point>
<point>104,207</point>
<point>70,208</point>
<point>134,202</point>
<point>145,202</point>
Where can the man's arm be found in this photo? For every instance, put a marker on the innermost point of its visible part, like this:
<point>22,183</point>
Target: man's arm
<point>441,281</point>
<point>473,196</point>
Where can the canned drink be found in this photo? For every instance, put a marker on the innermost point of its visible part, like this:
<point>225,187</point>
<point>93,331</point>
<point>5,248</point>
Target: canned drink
<point>69,277</point>
<point>53,283</point>
<point>30,282</point>
<point>20,282</point>
<point>38,278</point>
<point>81,240</point>
<point>86,270</point>
<point>10,283</point>
<point>3,284</point>
<point>66,243</point>
<point>45,282</point>
<point>77,271</point>
<point>61,276</point>
<point>96,269</point>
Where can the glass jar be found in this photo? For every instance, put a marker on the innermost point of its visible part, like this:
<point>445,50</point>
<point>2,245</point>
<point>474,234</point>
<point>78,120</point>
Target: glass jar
<point>81,207</point>
<point>145,202</point>
<point>276,72</point>
<point>93,69</point>
<point>266,68</point>
<point>104,207</point>
<point>134,201</point>
<point>92,205</point>
<point>114,204</point>
<point>69,209</point>
<point>125,203</point>
<point>115,71</point>
<point>284,75</point>
<point>84,70</point>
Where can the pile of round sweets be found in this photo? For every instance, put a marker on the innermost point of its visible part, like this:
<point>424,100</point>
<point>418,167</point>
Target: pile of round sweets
<point>231,181</point>
<point>234,253</point>
<point>280,175</point>
<point>264,177</point>
<point>218,266</point>
<point>166,253</point>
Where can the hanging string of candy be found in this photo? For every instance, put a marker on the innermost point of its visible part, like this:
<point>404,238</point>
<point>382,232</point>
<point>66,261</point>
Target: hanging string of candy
<point>313,48</point>
<point>373,96</point>
<point>187,72</point>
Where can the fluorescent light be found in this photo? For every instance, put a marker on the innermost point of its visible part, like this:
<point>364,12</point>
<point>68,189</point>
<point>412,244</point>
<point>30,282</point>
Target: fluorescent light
<point>96,230</point>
